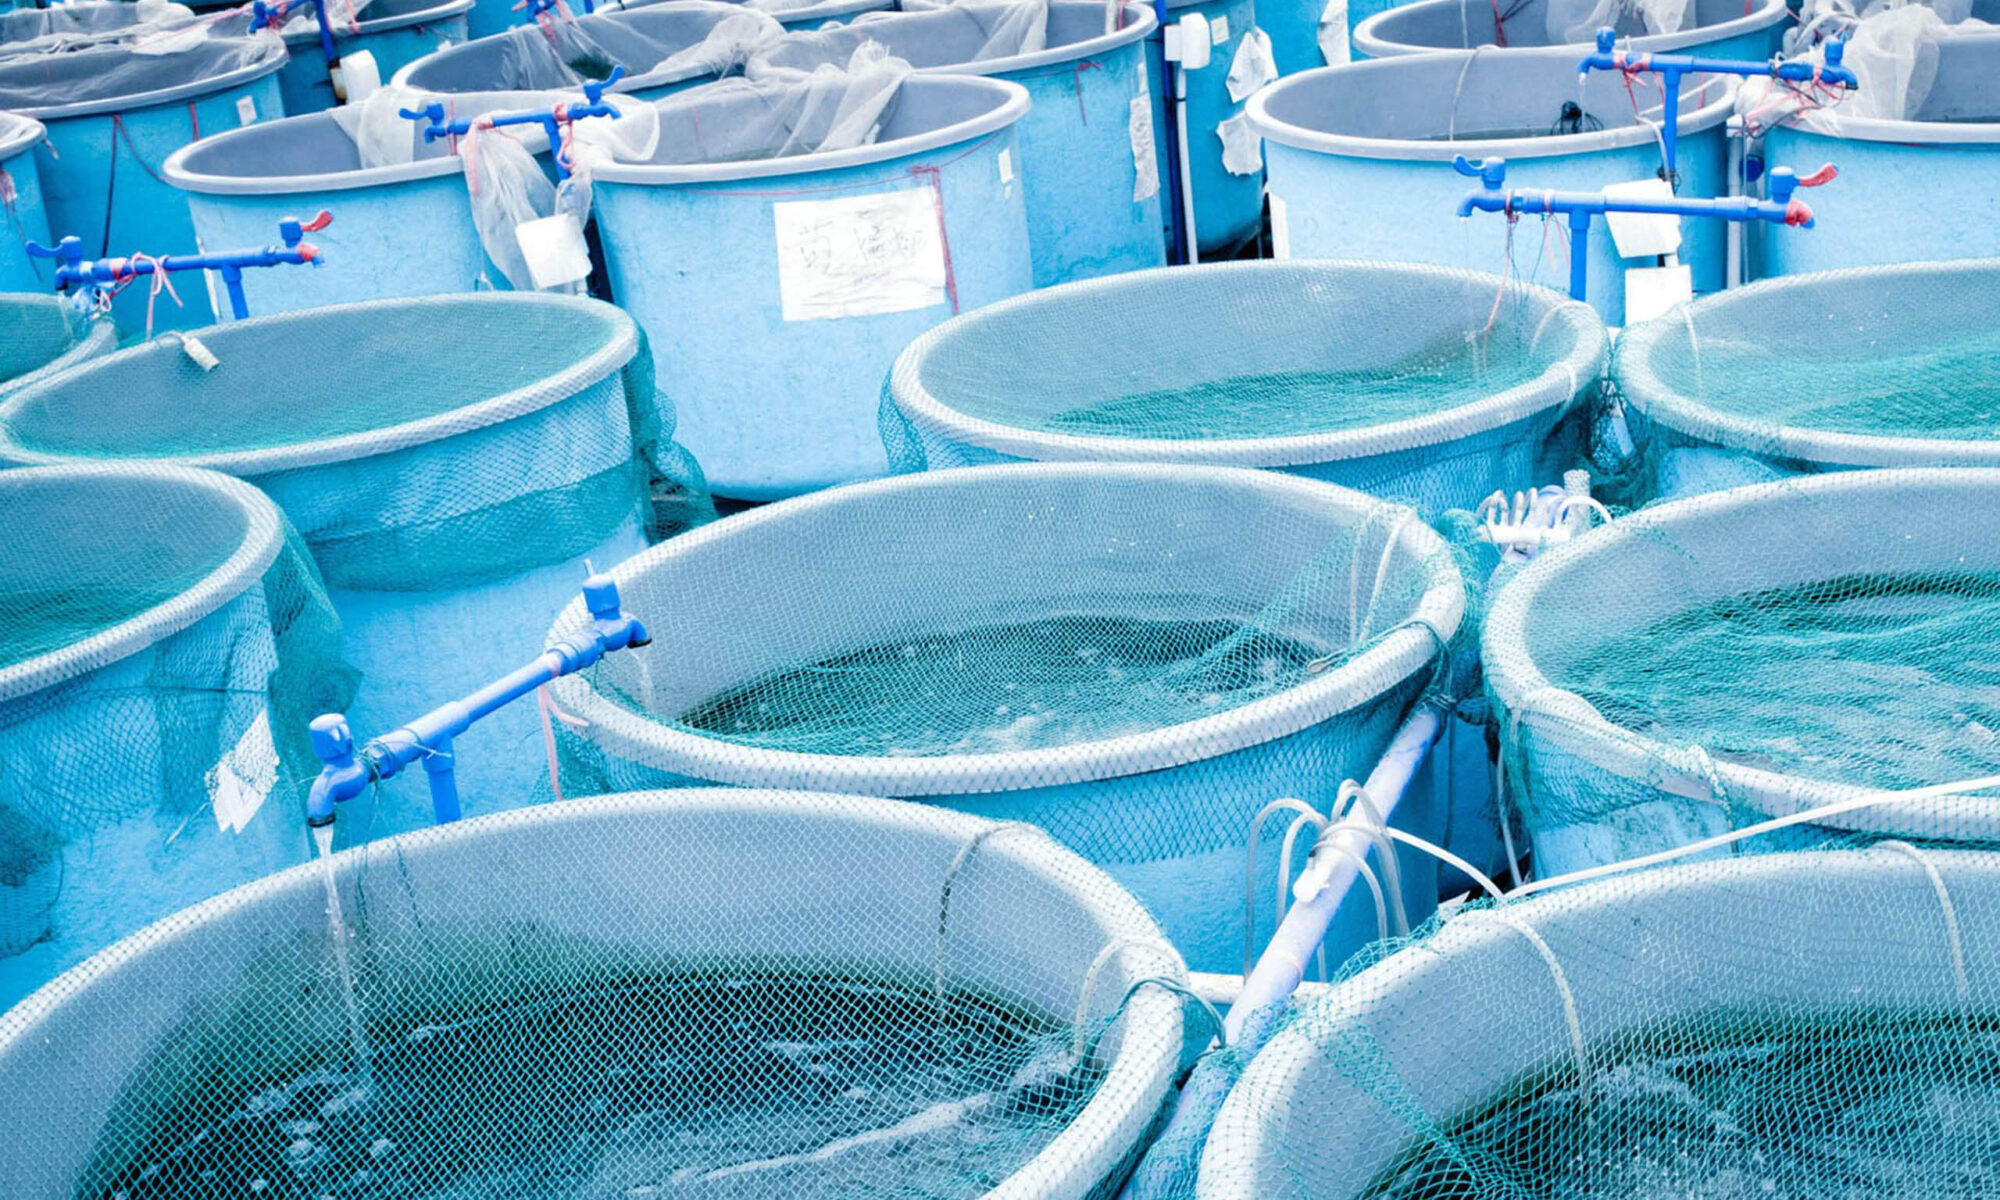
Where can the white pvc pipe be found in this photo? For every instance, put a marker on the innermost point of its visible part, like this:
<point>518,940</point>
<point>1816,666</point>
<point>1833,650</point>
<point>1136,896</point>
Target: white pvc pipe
<point>1282,966</point>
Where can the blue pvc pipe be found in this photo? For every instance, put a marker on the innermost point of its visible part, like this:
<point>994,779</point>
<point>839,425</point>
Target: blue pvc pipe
<point>1229,208</point>
<point>395,33</point>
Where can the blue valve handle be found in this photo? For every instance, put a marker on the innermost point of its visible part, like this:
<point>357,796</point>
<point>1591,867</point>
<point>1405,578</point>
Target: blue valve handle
<point>550,119</point>
<point>1673,67</point>
<point>348,771</point>
<point>103,274</point>
<point>1783,208</point>
<point>536,9</point>
<point>272,16</point>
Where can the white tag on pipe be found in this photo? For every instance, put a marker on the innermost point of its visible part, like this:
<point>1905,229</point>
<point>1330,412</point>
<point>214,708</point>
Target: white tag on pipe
<point>203,357</point>
<point>554,249</point>
<point>1643,235</point>
<point>1654,291</point>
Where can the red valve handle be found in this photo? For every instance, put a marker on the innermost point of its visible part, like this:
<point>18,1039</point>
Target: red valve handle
<point>1824,175</point>
<point>318,223</point>
<point>1797,214</point>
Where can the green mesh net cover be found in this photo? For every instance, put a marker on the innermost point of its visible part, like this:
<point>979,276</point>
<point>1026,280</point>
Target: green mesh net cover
<point>44,336</point>
<point>1748,654</point>
<point>1894,366</point>
<point>1812,1024</point>
<point>1137,657</point>
<point>163,639</point>
<point>694,994</point>
<point>1421,384</point>
<point>417,444</point>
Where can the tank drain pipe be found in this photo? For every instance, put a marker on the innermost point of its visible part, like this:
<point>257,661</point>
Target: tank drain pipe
<point>349,771</point>
<point>1189,45</point>
<point>104,276</point>
<point>1281,968</point>
<point>1735,133</point>
<point>1672,68</point>
<point>551,119</point>
<point>1783,208</point>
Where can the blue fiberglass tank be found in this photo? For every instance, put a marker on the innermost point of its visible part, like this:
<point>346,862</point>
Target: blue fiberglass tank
<point>777,280</point>
<point>26,217</point>
<point>1228,195</point>
<point>394,32</point>
<point>450,461</point>
<point>1691,1029</point>
<point>1948,138</point>
<point>1718,661</point>
<point>663,48</point>
<point>1718,29</point>
<point>698,992</point>
<point>1891,366</point>
<point>1093,201</point>
<point>1136,657</point>
<point>114,112</point>
<point>1458,383</point>
<point>1359,158</point>
<point>153,671</point>
<point>46,335</point>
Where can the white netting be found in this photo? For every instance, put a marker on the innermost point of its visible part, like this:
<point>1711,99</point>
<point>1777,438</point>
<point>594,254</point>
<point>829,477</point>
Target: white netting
<point>62,27</point>
<point>959,33</point>
<point>1892,46</point>
<point>1571,21</point>
<point>778,112</point>
<point>152,58</point>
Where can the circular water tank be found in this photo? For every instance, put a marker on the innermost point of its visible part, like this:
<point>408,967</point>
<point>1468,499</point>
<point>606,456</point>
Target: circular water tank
<point>1773,1024</point>
<point>712,992</point>
<point>1718,29</point>
<point>1137,657</point>
<point>1891,366</point>
<point>1456,384</point>
<point>394,33</point>
<point>1754,653</point>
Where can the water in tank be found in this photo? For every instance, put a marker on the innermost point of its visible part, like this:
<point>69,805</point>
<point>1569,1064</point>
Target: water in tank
<point>790,233</point>
<point>1455,385</point>
<point>1753,654</point>
<point>1804,1024</point>
<point>1889,366</point>
<point>114,109</point>
<point>1137,657</point>
<point>1712,28</point>
<point>392,33</point>
<point>1360,161</point>
<point>705,993</point>
<point>450,507</point>
<point>1088,165</point>
<point>46,335</point>
<point>162,637</point>
<point>1917,144</point>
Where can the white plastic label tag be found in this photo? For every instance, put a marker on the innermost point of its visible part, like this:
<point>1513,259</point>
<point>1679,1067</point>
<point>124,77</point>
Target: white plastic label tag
<point>1144,157</point>
<point>1253,67</point>
<point>203,357</point>
<point>1643,235</point>
<point>554,249</point>
<point>1190,46</point>
<point>859,256</point>
<point>1333,44</point>
<point>1654,291</point>
<point>1006,166</point>
<point>246,110</point>
<point>241,781</point>
<point>1281,228</point>
<point>358,75</point>
<point>1218,30</point>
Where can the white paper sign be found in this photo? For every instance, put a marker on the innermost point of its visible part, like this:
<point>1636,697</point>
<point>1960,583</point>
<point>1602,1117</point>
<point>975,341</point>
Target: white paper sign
<point>1643,235</point>
<point>240,782</point>
<point>1218,30</point>
<point>246,110</point>
<point>554,249</point>
<point>858,256</point>
<point>1333,42</point>
<point>1242,149</point>
<point>1144,159</point>
<point>1253,67</point>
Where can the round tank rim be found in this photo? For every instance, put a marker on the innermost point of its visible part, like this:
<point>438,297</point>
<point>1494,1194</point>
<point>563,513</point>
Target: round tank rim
<point>269,63</point>
<point>1396,657</point>
<point>1904,133</point>
<point>599,364</point>
<point>1144,23</point>
<point>1688,415</point>
<point>919,405</point>
<point>628,83</point>
<point>825,10</point>
<point>1012,106</point>
<point>263,535</point>
<point>100,336</point>
<point>1581,730</point>
<point>19,133</point>
<point>1366,41</point>
<point>1116,1117</point>
<point>442,10</point>
<point>176,172</point>
<point>1697,120</point>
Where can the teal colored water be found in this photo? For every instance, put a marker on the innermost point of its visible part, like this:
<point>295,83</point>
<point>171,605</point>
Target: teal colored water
<point>1892,681</point>
<point>1881,1106</point>
<point>710,1087</point>
<point>1445,375</point>
<point>1010,686</point>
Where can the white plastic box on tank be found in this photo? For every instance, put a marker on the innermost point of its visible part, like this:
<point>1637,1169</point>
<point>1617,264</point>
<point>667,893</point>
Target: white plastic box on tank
<point>708,992</point>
